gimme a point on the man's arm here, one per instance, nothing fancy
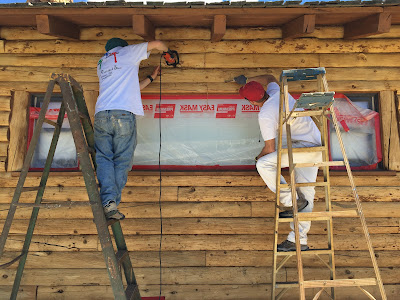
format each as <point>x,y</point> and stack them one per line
<point>269,147</point>
<point>145,82</point>
<point>158,45</point>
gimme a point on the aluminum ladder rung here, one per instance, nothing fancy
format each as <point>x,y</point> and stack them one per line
<point>319,183</point>
<point>305,149</point>
<point>308,252</point>
<point>121,255</point>
<point>52,123</point>
<point>322,215</point>
<point>30,189</point>
<point>132,292</point>
<point>339,282</point>
<point>320,164</point>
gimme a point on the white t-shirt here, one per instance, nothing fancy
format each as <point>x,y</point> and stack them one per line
<point>303,128</point>
<point>118,78</point>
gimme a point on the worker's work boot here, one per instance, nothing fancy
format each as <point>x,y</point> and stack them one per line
<point>301,204</point>
<point>286,246</point>
<point>111,212</point>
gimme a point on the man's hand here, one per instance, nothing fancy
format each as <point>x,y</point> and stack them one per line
<point>156,72</point>
<point>241,79</point>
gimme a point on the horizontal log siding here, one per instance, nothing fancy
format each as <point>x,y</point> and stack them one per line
<point>217,241</point>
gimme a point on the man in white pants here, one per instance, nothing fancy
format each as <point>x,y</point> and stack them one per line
<point>304,134</point>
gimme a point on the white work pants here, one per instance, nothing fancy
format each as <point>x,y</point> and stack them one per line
<point>267,167</point>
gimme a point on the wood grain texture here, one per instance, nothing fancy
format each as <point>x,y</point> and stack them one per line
<point>18,130</point>
<point>390,130</point>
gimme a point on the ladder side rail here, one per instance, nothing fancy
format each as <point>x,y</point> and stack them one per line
<point>126,264</point>
<point>94,196</point>
<point>38,200</point>
<point>359,208</point>
<point>293,190</point>
<point>25,167</point>
<point>328,201</point>
<point>323,86</point>
<point>295,213</point>
<point>86,123</point>
<point>278,190</point>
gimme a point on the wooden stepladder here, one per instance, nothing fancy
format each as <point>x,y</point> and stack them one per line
<point>73,104</point>
<point>317,105</point>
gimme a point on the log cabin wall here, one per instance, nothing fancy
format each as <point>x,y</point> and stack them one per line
<point>217,226</point>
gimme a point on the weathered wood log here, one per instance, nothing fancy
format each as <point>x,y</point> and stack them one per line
<point>275,46</point>
<point>390,130</point>
<point>5,102</point>
<point>4,134</point>
<point>18,130</point>
<point>182,179</point>
<point>4,118</point>
<point>223,226</point>
<point>95,260</point>
<point>3,148</point>
<point>183,276</point>
<point>201,292</point>
<point>88,75</point>
<point>27,292</point>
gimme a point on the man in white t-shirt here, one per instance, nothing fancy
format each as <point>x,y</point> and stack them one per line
<point>304,134</point>
<point>118,103</point>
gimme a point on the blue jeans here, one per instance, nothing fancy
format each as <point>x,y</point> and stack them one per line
<point>115,143</point>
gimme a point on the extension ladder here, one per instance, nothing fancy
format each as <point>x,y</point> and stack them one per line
<point>318,106</point>
<point>73,103</point>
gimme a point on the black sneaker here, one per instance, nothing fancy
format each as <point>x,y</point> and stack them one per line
<point>286,246</point>
<point>301,204</point>
<point>111,212</point>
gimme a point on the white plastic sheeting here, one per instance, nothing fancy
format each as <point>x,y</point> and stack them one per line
<point>198,132</point>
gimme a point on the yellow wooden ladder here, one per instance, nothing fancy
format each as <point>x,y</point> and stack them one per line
<point>318,106</point>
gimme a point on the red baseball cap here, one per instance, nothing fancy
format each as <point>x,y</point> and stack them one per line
<point>252,91</point>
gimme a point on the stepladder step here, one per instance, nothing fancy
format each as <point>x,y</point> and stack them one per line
<point>308,252</point>
<point>322,215</point>
<point>319,164</point>
<point>329,283</point>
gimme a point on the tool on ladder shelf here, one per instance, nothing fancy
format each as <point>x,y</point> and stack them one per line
<point>317,105</point>
<point>73,104</point>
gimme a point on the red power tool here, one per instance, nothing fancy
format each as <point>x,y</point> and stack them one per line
<point>171,58</point>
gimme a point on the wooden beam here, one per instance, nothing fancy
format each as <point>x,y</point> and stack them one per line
<point>55,26</point>
<point>143,27</point>
<point>218,28</point>
<point>18,130</point>
<point>371,25</point>
<point>302,25</point>
<point>390,130</point>
<point>2,46</point>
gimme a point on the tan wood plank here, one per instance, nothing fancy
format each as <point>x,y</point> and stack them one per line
<point>264,259</point>
<point>171,75</point>
<point>186,180</point>
<point>5,103</point>
<point>18,130</point>
<point>4,118</point>
<point>79,193</point>
<point>2,46</point>
<point>3,160</point>
<point>3,148</point>
<point>179,276</point>
<point>55,26</point>
<point>387,242</point>
<point>24,292</point>
<point>54,243</point>
<point>147,210</point>
<point>199,292</point>
<point>268,46</point>
<point>223,226</point>
<point>390,130</point>
<point>95,260</point>
<point>4,137</point>
<point>5,93</point>
<point>367,26</point>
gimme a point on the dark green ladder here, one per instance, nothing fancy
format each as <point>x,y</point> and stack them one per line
<point>73,103</point>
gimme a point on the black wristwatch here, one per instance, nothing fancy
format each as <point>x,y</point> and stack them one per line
<point>151,78</point>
